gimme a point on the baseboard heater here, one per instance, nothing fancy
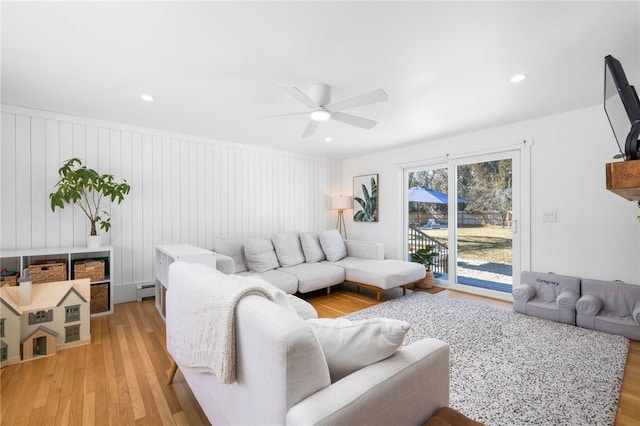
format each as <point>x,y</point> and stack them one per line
<point>145,291</point>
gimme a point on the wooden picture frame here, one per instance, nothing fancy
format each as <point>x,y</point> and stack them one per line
<point>365,198</point>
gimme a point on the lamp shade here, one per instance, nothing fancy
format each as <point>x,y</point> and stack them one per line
<point>342,202</point>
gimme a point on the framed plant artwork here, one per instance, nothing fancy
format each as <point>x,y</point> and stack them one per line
<point>365,198</point>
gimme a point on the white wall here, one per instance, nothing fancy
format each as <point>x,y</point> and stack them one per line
<point>184,189</point>
<point>596,234</point>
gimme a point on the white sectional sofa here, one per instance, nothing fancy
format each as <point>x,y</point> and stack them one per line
<point>304,262</point>
<point>283,376</point>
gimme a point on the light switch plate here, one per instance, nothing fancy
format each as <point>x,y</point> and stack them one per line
<point>549,216</point>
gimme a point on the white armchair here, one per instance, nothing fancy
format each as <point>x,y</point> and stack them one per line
<point>547,296</point>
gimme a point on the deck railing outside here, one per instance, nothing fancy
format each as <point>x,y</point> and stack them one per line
<point>419,240</point>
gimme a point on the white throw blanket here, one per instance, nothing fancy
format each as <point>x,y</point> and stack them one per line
<point>203,302</point>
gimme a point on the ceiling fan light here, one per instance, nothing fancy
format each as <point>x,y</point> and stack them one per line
<point>320,115</point>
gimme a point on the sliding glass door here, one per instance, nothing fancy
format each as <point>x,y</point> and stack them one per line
<point>484,231</point>
<point>466,210</point>
<point>428,209</point>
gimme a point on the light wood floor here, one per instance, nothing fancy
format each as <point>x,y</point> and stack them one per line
<point>120,378</point>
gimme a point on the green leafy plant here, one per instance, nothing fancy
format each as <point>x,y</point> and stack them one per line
<point>86,188</point>
<point>424,256</point>
<point>369,205</point>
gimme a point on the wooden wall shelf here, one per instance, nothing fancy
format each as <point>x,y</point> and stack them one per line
<point>623,178</point>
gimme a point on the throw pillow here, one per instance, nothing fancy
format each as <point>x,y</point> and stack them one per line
<point>350,345</point>
<point>333,245</point>
<point>311,247</point>
<point>260,255</point>
<point>288,249</point>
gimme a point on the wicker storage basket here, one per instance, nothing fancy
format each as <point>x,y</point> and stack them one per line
<point>9,278</point>
<point>99,298</point>
<point>47,271</point>
<point>89,268</point>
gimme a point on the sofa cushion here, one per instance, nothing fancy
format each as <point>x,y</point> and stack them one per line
<point>234,248</point>
<point>311,247</point>
<point>288,249</point>
<point>333,245</point>
<point>385,274</point>
<point>260,255</point>
<point>350,345</point>
<point>285,282</point>
<point>314,276</point>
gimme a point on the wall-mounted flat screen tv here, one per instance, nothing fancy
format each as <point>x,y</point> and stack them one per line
<point>622,107</point>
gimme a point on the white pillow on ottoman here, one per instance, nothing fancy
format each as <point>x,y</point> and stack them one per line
<point>333,245</point>
<point>350,345</point>
<point>288,249</point>
<point>311,247</point>
<point>260,255</point>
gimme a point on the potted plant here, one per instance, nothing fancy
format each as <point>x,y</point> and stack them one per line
<point>87,188</point>
<point>425,256</point>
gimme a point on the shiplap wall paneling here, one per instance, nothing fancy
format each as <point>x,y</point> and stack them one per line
<point>208,188</point>
<point>158,198</point>
<point>148,215</point>
<point>137,194</point>
<point>126,229</point>
<point>66,215</point>
<point>166,179</point>
<point>182,191</point>
<point>23,182</point>
<point>8,176</point>
<point>115,168</point>
<point>193,184</point>
<point>80,223</point>
<point>52,164</point>
<point>38,181</point>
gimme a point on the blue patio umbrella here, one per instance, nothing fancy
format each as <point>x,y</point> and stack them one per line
<point>422,194</point>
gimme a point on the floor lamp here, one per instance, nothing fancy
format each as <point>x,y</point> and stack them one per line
<point>341,204</point>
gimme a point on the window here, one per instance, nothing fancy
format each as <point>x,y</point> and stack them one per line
<point>2,327</point>
<point>3,353</point>
<point>40,316</point>
<point>466,210</point>
<point>72,313</point>
<point>72,333</point>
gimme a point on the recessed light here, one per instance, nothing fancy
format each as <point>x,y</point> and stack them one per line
<point>328,139</point>
<point>146,97</point>
<point>517,78</point>
<point>320,115</point>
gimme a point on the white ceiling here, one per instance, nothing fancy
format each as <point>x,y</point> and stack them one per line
<point>213,67</point>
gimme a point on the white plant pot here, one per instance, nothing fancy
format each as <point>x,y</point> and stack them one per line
<point>94,241</point>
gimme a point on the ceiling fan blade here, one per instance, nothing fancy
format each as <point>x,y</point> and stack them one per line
<point>311,128</point>
<point>296,93</point>
<point>354,120</point>
<point>378,95</point>
<point>282,115</point>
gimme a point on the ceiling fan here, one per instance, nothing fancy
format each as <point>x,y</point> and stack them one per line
<point>319,101</point>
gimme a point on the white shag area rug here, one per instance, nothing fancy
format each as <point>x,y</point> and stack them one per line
<point>512,369</point>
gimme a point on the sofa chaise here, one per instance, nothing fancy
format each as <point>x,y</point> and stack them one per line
<point>307,262</point>
<point>283,376</point>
